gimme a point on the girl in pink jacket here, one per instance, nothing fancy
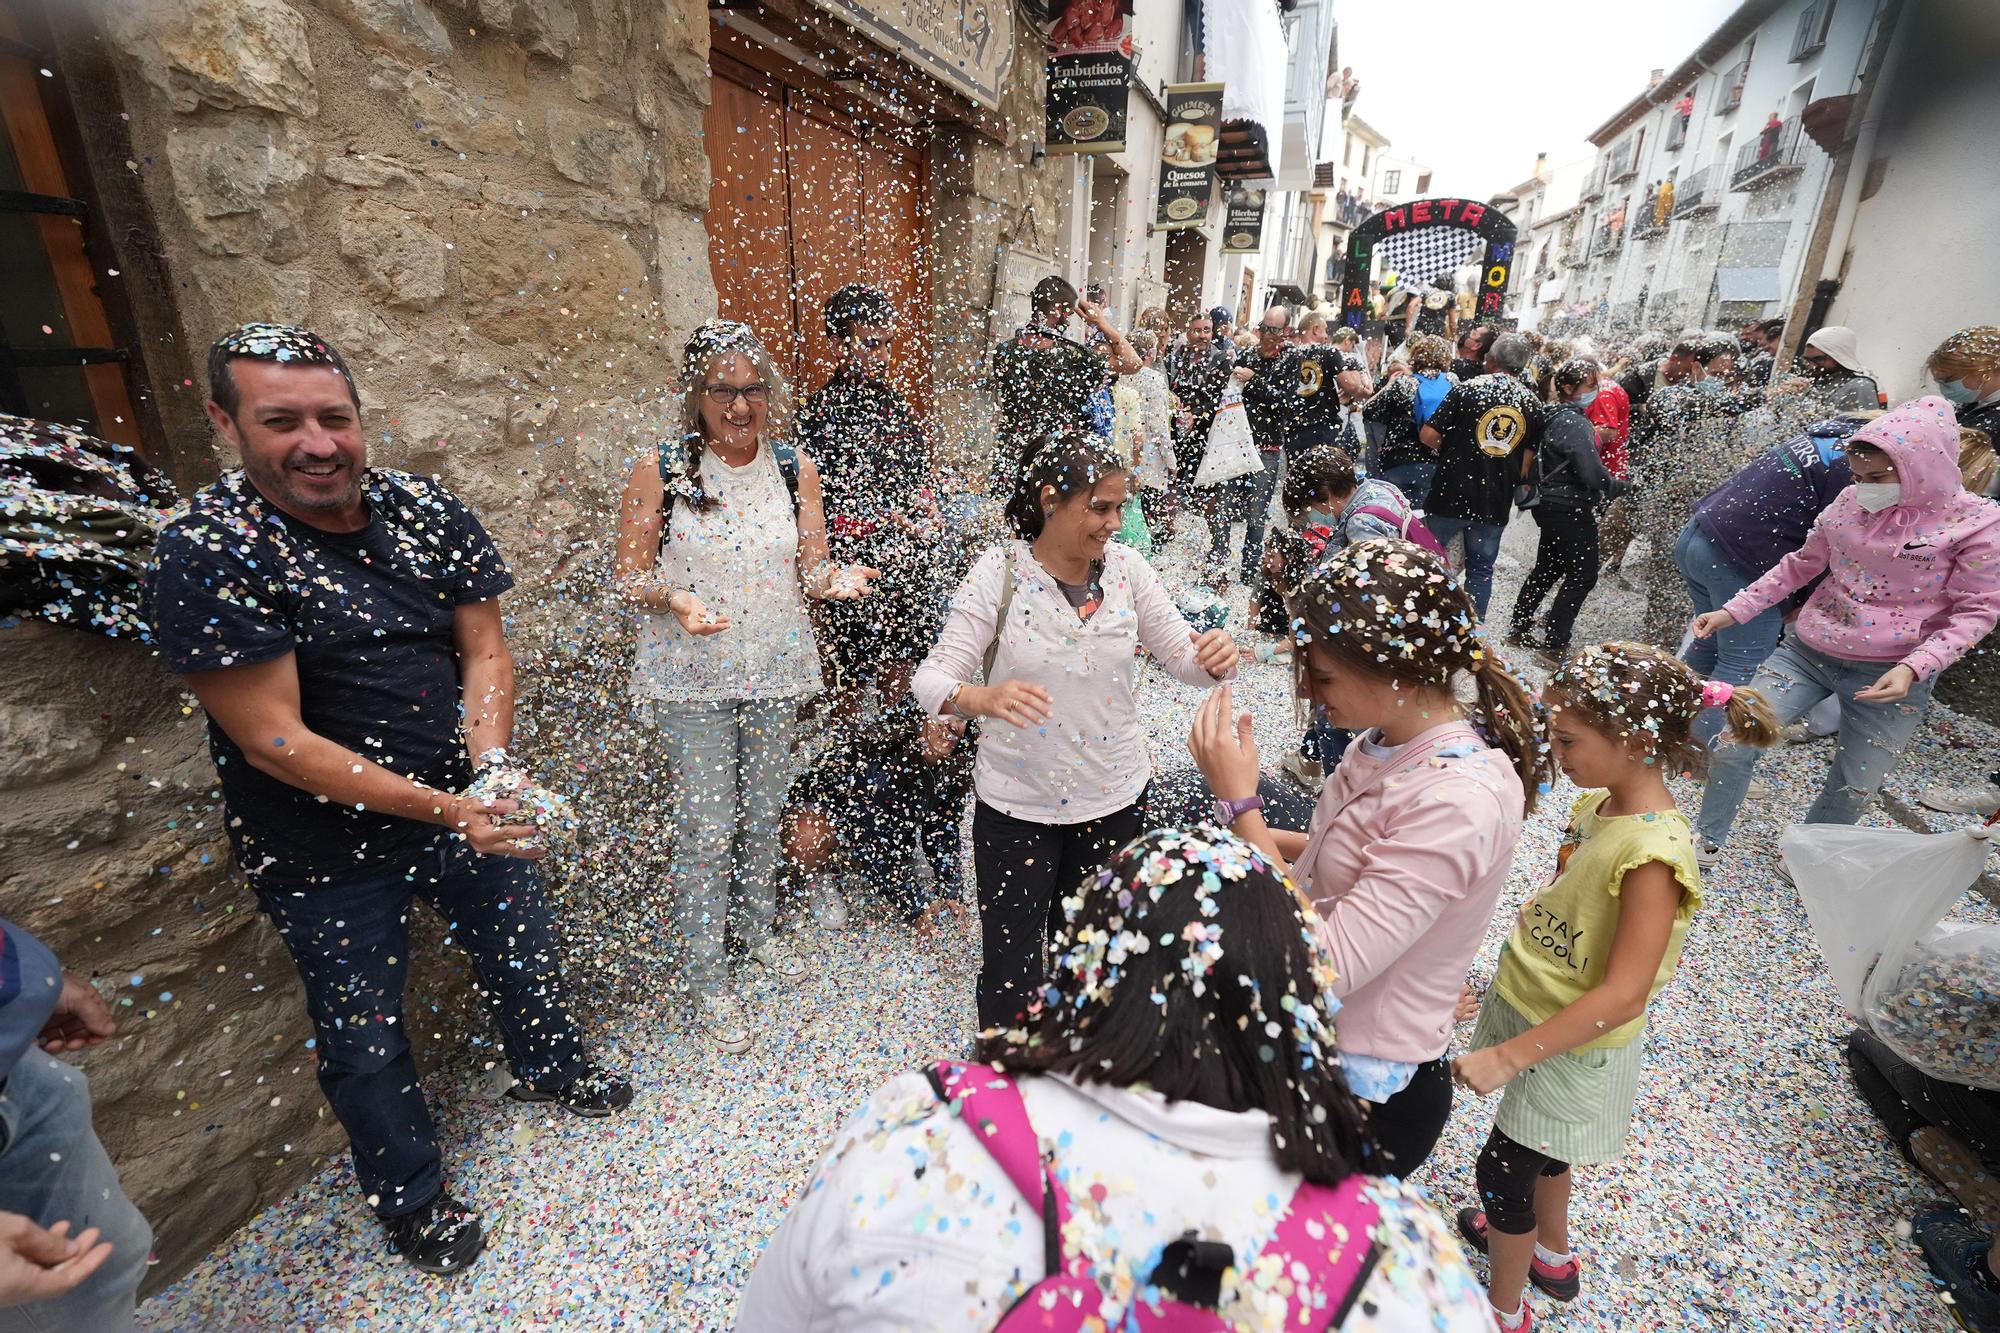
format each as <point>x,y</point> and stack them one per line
<point>1414,831</point>
<point>1912,565</point>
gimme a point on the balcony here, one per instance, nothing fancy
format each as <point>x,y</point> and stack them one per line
<point>1608,242</point>
<point>1694,195</point>
<point>1778,151</point>
<point>1623,166</point>
<point>1677,131</point>
<point>1593,185</point>
<point>1731,88</point>
<point>1573,255</point>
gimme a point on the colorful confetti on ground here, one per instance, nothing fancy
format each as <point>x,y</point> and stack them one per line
<point>1757,1192</point>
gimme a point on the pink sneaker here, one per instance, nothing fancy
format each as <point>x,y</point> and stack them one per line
<point>1562,1283</point>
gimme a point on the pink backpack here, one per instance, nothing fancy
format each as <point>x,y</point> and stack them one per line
<point>1325,1238</point>
<point>1413,529</point>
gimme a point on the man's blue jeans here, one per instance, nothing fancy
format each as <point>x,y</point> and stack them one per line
<point>1482,552</point>
<point>53,1169</point>
<point>1413,480</point>
<point>1734,654</point>
<point>351,941</point>
<point>1872,736</point>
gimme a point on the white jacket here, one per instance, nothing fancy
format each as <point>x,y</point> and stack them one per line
<point>909,1226</point>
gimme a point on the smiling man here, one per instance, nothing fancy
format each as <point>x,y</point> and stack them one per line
<point>341,626</point>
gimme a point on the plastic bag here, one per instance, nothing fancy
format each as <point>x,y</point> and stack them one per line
<point>1876,898</point>
<point>1232,452</point>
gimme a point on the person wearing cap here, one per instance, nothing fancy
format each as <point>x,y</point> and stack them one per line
<point>1834,380</point>
<point>721,539</point>
<point>874,467</point>
<point>1911,565</point>
<point>340,625</point>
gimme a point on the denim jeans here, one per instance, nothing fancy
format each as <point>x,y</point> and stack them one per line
<point>351,941</point>
<point>1872,736</point>
<point>1482,551</point>
<point>1413,480</point>
<point>1734,654</point>
<point>732,763</point>
<point>53,1169</point>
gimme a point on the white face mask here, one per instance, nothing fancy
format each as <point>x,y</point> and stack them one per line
<point>1875,496</point>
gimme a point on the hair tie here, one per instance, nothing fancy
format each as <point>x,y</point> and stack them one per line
<point>1716,693</point>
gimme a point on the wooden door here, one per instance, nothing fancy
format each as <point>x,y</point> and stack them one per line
<point>805,197</point>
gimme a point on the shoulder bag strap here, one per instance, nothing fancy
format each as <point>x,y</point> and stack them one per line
<point>1000,620</point>
<point>991,1107</point>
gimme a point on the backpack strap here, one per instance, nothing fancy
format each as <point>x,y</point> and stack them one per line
<point>1388,515</point>
<point>1330,1233</point>
<point>990,1105</point>
<point>787,455</point>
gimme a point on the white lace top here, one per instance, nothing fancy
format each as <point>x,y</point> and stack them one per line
<point>742,559</point>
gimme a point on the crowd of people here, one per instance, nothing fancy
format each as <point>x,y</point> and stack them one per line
<point>1180,1020</point>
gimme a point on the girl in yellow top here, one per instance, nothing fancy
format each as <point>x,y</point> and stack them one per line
<point>1560,1027</point>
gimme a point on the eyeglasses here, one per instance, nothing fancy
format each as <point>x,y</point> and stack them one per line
<point>726,394</point>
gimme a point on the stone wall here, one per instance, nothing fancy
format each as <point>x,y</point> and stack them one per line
<point>494,207</point>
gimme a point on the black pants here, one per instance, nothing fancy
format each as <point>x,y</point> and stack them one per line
<point>1906,1099</point>
<point>1567,554</point>
<point>1024,869</point>
<point>1506,1173</point>
<point>1408,1125</point>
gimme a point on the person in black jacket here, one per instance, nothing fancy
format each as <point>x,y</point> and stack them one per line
<point>1571,483</point>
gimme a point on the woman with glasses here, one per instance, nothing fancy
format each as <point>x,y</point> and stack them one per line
<point>722,537</point>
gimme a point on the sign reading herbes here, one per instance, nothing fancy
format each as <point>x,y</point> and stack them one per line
<point>1187,154</point>
<point>1086,105</point>
<point>1243,222</point>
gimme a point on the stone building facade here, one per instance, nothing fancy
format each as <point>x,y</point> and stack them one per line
<point>499,210</point>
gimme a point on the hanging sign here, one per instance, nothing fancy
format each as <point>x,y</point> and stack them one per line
<point>1086,106</point>
<point>1243,222</point>
<point>1187,155</point>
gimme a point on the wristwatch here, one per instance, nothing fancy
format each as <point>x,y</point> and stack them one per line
<point>951,700</point>
<point>1228,812</point>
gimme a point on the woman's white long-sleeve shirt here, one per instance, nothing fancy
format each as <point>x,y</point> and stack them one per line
<point>1090,758</point>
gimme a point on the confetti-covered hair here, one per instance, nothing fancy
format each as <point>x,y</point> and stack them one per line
<point>857,303</point>
<point>712,341</point>
<point>1072,462</point>
<point>1429,352</point>
<point>1973,351</point>
<point>1571,374</point>
<point>1391,609</point>
<point>1647,698</point>
<point>278,344</point>
<point>1190,965</point>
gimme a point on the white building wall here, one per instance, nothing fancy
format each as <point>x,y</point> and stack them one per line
<point>1921,263</point>
<point>1767,228</point>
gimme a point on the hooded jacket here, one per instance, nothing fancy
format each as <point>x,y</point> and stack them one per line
<point>1766,511</point>
<point>1917,583</point>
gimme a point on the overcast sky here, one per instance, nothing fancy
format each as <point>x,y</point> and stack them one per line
<point>1474,90</point>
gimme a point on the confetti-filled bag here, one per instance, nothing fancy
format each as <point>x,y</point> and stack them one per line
<point>1232,451</point>
<point>1877,898</point>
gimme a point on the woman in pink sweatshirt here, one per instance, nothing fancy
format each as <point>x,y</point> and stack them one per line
<point>1414,831</point>
<point>1912,565</point>
<point>1053,624</point>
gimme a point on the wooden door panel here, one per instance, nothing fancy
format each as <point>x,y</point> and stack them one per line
<point>895,257</point>
<point>828,208</point>
<point>749,222</point>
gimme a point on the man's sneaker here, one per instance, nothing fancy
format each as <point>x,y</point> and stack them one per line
<point>1706,853</point>
<point>1562,1283</point>
<point>1981,798</point>
<point>1955,1248</point>
<point>829,908</point>
<point>780,961</point>
<point>443,1236</point>
<point>720,1015</point>
<point>593,1094</point>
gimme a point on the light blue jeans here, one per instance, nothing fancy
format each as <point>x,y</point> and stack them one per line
<point>732,767</point>
<point>1734,654</point>
<point>53,1169</point>
<point>1872,736</point>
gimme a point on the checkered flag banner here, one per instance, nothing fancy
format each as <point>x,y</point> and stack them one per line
<point>1415,257</point>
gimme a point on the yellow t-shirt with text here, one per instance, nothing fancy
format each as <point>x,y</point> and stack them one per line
<point>1562,946</point>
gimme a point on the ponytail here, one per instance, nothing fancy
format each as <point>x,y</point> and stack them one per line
<point>1752,721</point>
<point>1511,725</point>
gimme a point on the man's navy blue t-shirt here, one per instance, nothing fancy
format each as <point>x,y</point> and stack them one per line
<point>368,615</point>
